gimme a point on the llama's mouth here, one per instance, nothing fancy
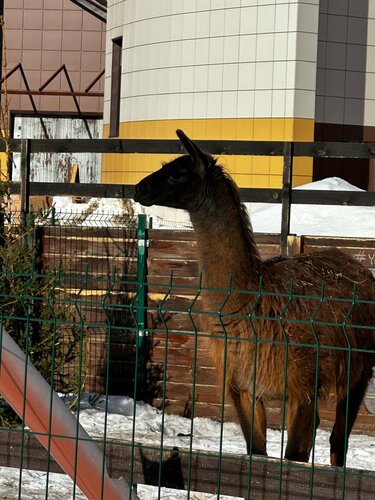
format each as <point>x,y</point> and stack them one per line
<point>144,199</point>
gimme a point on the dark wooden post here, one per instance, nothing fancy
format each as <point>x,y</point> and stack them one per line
<point>286,197</point>
<point>25,181</point>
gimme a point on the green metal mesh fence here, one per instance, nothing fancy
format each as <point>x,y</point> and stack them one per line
<point>153,338</point>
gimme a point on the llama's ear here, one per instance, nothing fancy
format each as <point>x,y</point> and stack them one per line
<point>200,159</point>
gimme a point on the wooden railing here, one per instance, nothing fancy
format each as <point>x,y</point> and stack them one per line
<point>288,150</point>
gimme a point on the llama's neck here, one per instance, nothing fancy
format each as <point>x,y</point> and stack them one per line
<point>226,248</point>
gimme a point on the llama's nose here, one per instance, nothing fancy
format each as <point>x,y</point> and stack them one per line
<point>139,189</point>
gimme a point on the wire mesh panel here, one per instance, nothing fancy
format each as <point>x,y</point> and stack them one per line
<point>149,446</point>
<point>52,330</point>
<point>141,358</point>
<point>103,250</point>
<point>181,325</point>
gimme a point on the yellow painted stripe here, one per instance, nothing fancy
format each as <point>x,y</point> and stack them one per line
<point>253,129</point>
<point>247,171</point>
<point>3,166</point>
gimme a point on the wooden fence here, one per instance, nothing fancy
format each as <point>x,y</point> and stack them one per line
<point>100,249</point>
<point>288,150</point>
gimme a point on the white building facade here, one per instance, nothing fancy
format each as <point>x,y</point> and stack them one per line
<point>237,69</point>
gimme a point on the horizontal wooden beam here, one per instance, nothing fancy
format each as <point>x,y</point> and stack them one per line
<point>209,472</point>
<point>76,189</point>
<point>216,147</point>
<point>322,197</point>
<point>255,195</point>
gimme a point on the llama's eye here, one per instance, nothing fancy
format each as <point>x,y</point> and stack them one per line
<point>177,175</point>
<point>173,179</point>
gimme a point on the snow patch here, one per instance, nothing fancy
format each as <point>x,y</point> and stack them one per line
<point>201,433</point>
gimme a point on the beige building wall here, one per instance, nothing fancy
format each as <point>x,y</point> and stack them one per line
<point>219,70</point>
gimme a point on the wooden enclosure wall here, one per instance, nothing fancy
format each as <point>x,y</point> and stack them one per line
<point>170,352</point>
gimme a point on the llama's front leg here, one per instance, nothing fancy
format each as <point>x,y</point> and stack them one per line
<point>301,430</point>
<point>255,440</point>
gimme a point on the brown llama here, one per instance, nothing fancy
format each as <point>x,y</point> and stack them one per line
<point>329,296</point>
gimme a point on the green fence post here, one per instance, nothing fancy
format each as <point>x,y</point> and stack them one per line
<point>141,305</point>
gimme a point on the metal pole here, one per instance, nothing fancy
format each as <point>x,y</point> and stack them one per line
<point>141,304</point>
<point>286,197</point>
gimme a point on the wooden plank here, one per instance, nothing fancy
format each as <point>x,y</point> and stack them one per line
<point>184,373</point>
<point>167,146</point>
<point>260,195</point>
<point>286,197</point>
<point>90,247</point>
<point>253,195</point>
<point>362,250</point>
<point>178,267</point>
<point>184,284</point>
<point>171,235</point>
<point>268,251</point>
<point>91,264</point>
<point>216,147</point>
<point>209,472</point>
<point>188,235</point>
<point>74,175</point>
<point>169,249</point>
<point>126,233</point>
<point>335,149</point>
<point>126,191</point>
<point>322,197</point>
<point>181,245</point>
<point>331,241</point>
<point>96,281</point>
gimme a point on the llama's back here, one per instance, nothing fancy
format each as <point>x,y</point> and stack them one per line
<point>329,283</point>
<point>329,302</point>
<point>331,266</point>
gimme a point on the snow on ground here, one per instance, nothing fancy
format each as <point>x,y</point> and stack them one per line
<point>176,431</point>
<point>96,212</point>
<point>308,220</point>
<point>321,220</point>
<point>206,433</point>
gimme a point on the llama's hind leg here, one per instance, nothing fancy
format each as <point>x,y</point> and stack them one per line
<point>337,439</point>
<point>301,430</point>
<point>254,432</point>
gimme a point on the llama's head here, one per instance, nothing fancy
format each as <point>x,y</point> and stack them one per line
<point>179,183</point>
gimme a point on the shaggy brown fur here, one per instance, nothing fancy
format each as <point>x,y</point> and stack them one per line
<point>303,322</point>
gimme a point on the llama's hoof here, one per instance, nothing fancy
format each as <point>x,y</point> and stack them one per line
<point>336,461</point>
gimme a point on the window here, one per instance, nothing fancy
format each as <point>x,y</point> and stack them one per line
<point>114,118</point>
